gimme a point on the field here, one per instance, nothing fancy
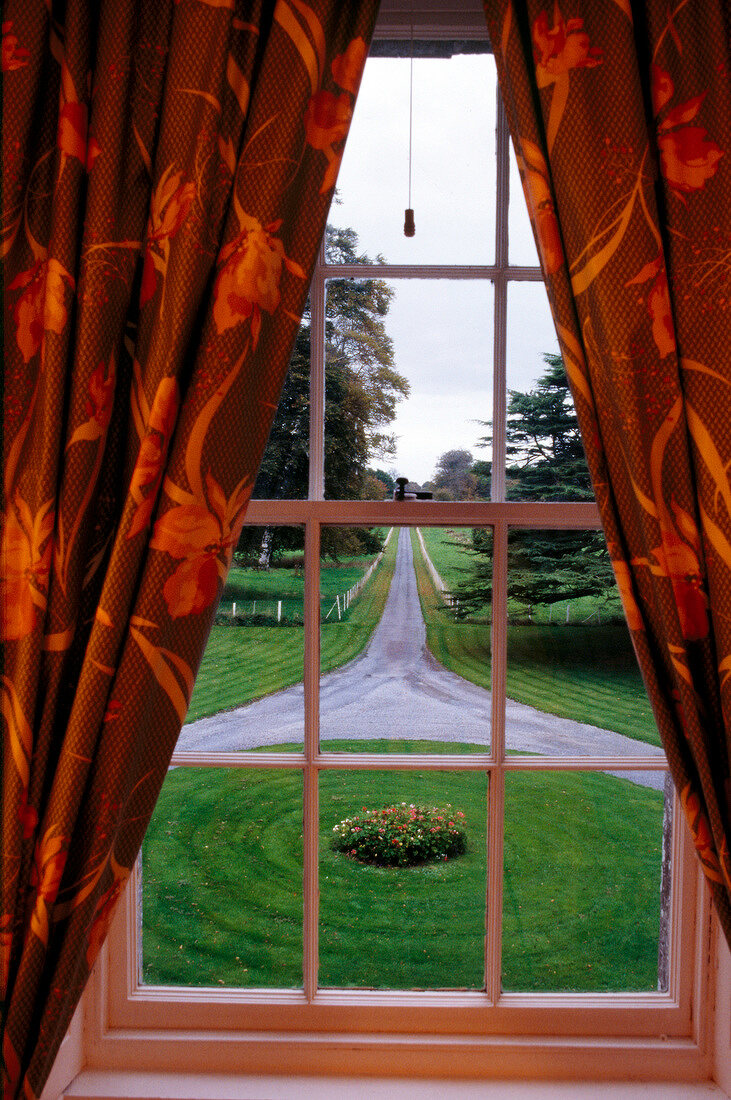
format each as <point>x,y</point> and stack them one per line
<point>222,874</point>
<point>587,672</point>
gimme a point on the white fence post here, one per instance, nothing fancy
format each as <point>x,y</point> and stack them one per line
<point>233,610</point>
<point>279,611</point>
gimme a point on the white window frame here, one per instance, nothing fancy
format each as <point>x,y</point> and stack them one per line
<point>460,1033</point>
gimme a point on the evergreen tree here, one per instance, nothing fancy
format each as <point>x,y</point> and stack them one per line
<point>546,462</point>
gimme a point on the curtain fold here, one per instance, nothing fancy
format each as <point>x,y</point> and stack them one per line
<point>167,172</point>
<point>620,114</point>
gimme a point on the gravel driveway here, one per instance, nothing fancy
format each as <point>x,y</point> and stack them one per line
<point>396,688</point>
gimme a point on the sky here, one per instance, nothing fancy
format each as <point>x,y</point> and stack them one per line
<point>442,330</point>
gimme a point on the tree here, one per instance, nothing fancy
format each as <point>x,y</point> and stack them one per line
<point>362,389</point>
<point>453,479</point>
<point>546,462</point>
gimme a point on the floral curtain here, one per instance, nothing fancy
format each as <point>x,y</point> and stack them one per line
<point>620,114</point>
<point>167,170</point>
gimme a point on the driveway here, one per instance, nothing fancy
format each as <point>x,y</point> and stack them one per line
<point>395,688</point>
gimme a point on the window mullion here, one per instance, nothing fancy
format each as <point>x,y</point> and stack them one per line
<point>497,478</point>
<point>496,789</point>
<point>310,809</point>
<point>317,383</point>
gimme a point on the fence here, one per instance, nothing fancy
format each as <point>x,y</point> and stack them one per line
<point>439,584</point>
<point>343,602</point>
<point>290,609</point>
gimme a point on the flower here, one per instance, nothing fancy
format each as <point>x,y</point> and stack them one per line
<point>48,867</point>
<point>348,67</point>
<point>26,563</point>
<point>41,307</point>
<point>147,473</point>
<point>562,47</point>
<point>202,535</point>
<point>535,180</point>
<point>169,206</point>
<point>13,55</point>
<point>658,304</point>
<point>688,157</point>
<point>249,279</point>
<point>327,119</point>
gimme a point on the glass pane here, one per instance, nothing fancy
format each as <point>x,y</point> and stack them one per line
<point>222,880</point>
<point>412,926</point>
<point>397,351</point>
<point>453,161</point>
<point>521,242</point>
<point>248,691</point>
<point>418,675</point>
<point>587,881</point>
<point>573,682</point>
<point>545,455</point>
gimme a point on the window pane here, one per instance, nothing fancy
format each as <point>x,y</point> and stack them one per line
<point>418,676</point>
<point>453,161</point>
<point>222,880</point>
<point>586,888</point>
<point>247,693</point>
<point>416,926</point>
<point>545,455</point>
<point>408,380</point>
<point>573,683</point>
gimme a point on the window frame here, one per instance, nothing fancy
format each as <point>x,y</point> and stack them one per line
<point>463,1033</point>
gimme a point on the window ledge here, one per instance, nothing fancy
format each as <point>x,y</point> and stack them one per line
<point>98,1085</point>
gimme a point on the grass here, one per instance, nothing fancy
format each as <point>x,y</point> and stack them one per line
<point>242,663</point>
<point>222,874</point>
<point>585,672</point>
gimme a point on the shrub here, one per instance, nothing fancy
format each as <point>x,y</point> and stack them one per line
<point>402,835</point>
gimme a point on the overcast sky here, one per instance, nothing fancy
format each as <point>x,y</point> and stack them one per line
<point>443,330</point>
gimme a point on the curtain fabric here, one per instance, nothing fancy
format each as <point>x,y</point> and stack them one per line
<point>167,170</point>
<point>620,114</point>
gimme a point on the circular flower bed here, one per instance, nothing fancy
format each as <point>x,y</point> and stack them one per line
<point>402,835</point>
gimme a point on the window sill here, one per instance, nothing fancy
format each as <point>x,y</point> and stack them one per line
<point>95,1085</point>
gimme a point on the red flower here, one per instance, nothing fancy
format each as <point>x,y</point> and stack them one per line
<point>327,119</point>
<point>534,177</point>
<point>41,307</point>
<point>348,67</point>
<point>169,208</point>
<point>658,304</point>
<point>25,564</point>
<point>28,817</point>
<point>148,470</point>
<point>562,47</point>
<point>13,55</point>
<point>251,272</point>
<point>688,157</point>
<point>203,534</point>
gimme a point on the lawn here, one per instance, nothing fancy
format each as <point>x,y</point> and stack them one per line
<point>222,883</point>
<point>580,671</point>
<point>246,662</point>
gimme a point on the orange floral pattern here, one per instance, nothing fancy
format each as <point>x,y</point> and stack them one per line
<point>169,208</point>
<point>250,275</point>
<point>688,156</point>
<point>202,536</point>
<point>631,216</point>
<point>14,56</point>
<point>329,114</point>
<point>41,307</point>
<point>133,362</point>
<point>561,46</point>
<point>25,557</point>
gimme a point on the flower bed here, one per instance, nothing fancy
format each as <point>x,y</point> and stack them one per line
<point>402,835</point>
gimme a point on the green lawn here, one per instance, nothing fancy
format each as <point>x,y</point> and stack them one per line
<point>585,672</point>
<point>222,893</point>
<point>245,662</point>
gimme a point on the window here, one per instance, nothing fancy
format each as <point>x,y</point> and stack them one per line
<point>545,834</point>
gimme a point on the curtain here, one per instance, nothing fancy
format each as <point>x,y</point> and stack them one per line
<point>620,115</point>
<point>167,171</point>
